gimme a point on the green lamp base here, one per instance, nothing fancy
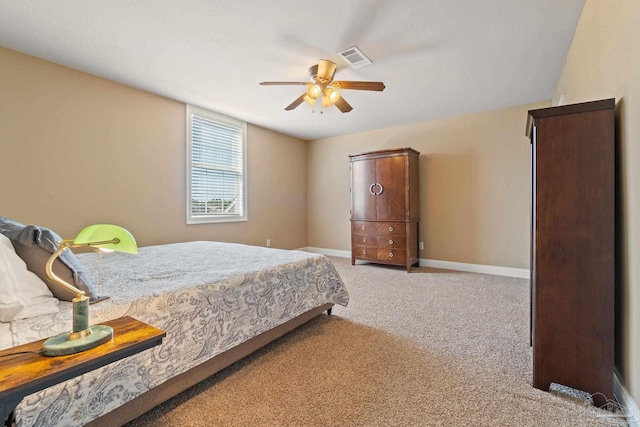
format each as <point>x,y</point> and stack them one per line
<point>60,345</point>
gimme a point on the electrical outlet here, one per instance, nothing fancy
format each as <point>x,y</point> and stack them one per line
<point>422,246</point>
<point>268,243</point>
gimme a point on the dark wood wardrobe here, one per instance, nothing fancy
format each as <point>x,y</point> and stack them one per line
<point>572,246</point>
<point>385,207</point>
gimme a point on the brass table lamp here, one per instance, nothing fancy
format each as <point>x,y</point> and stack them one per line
<point>84,337</point>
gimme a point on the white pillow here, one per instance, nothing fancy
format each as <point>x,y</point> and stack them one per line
<point>22,294</point>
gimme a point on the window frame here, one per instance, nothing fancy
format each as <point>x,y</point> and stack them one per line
<point>225,120</point>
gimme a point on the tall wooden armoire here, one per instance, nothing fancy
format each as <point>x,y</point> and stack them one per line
<point>572,246</point>
<point>385,207</point>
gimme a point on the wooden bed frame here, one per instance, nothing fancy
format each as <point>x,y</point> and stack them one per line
<point>174,386</point>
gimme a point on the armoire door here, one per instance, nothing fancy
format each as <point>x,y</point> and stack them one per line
<point>390,179</point>
<point>363,189</point>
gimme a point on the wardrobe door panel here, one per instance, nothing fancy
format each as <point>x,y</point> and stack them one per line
<point>363,189</point>
<point>390,174</point>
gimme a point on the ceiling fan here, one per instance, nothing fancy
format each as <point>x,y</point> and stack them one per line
<point>324,87</point>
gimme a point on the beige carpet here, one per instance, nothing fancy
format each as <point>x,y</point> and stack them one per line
<point>431,348</point>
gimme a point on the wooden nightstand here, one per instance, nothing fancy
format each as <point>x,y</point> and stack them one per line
<point>24,374</point>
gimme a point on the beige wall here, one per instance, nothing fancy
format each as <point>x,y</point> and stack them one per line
<point>474,186</point>
<point>604,62</point>
<point>76,149</point>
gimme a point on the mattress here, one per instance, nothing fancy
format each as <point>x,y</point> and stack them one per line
<point>5,335</point>
<point>207,296</point>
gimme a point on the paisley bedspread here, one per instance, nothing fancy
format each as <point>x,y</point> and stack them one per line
<point>207,296</point>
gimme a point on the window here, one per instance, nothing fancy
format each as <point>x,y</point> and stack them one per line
<point>216,167</point>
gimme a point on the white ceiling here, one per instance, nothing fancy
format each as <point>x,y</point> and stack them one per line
<point>437,58</point>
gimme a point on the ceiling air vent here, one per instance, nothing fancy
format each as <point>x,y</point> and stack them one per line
<point>354,57</point>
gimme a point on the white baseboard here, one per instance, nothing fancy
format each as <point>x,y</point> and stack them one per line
<point>631,412</point>
<point>447,265</point>
<point>476,268</point>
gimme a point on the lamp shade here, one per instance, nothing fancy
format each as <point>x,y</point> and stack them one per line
<point>330,97</point>
<point>107,236</point>
<point>314,91</point>
<point>310,100</point>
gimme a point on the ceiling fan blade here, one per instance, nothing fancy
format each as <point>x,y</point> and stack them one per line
<point>345,84</point>
<point>295,103</point>
<point>343,105</point>
<point>283,83</point>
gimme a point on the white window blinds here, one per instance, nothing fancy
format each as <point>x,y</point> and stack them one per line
<point>216,167</point>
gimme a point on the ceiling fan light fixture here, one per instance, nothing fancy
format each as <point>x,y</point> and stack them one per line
<point>313,92</point>
<point>330,97</point>
<point>309,100</point>
<point>334,94</point>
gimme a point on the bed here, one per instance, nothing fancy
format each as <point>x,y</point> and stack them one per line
<point>217,302</point>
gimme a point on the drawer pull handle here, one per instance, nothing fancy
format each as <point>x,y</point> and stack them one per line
<point>390,228</point>
<point>371,188</point>
<point>364,252</point>
<point>390,242</point>
<point>364,227</point>
<point>390,254</point>
<point>364,239</point>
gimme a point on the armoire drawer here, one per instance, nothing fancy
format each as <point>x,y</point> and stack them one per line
<point>397,242</point>
<point>365,239</point>
<point>364,252</point>
<point>392,228</point>
<point>364,227</point>
<point>392,255</point>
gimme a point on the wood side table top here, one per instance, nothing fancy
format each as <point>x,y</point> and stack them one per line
<point>23,374</point>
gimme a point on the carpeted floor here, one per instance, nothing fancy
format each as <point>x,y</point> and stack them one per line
<point>430,348</point>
